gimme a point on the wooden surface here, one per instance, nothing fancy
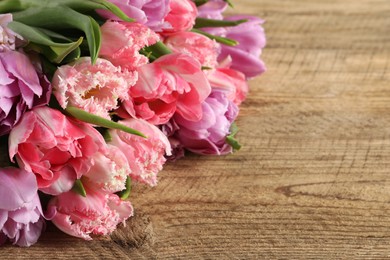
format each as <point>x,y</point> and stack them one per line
<point>313,178</point>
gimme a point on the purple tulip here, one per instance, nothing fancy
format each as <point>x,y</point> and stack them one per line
<point>20,209</point>
<point>251,38</point>
<point>7,36</point>
<point>169,129</point>
<point>208,136</point>
<point>213,9</point>
<point>21,88</point>
<point>148,12</point>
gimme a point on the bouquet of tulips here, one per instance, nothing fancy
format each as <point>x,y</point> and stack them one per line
<point>96,95</point>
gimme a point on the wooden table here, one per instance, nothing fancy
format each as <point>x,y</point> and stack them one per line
<point>313,177</point>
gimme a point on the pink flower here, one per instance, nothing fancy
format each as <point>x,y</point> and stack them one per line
<point>7,36</point>
<point>232,82</point>
<point>56,149</point>
<point>93,88</point>
<point>208,135</point>
<point>181,17</point>
<point>145,155</point>
<point>22,87</point>
<point>20,208</point>
<point>148,12</point>
<point>172,84</point>
<point>110,170</point>
<point>198,46</point>
<point>122,41</point>
<point>98,213</point>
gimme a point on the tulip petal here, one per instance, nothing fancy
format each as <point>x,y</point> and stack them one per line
<point>30,234</point>
<point>17,187</point>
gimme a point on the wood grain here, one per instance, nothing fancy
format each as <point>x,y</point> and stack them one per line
<point>312,180</point>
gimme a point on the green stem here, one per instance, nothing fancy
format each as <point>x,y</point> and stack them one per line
<point>203,22</point>
<point>159,49</point>
<point>226,41</point>
<point>126,192</point>
<point>100,121</point>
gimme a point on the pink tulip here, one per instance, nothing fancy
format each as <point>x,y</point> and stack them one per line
<point>55,148</point>
<point>145,155</point>
<point>200,47</point>
<point>92,88</point>
<point>96,214</point>
<point>122,42</point>
<point>232,82</point>
<point>181,16</point>
<point>172,84</point>
<point>20,208</point>
<point>110,170</point>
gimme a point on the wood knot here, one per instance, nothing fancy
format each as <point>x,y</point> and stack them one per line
<point>137,232</point>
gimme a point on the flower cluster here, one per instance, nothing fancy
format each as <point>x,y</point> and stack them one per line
<point>98,94</point>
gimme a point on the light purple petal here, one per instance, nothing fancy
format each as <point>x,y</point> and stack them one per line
<point>3,217</point>
<point>17,187</point>
<point>30,234</point>
<point>208,135</point>
<point>20,67</point>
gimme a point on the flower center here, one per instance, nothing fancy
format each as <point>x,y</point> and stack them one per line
<point>92,92</point>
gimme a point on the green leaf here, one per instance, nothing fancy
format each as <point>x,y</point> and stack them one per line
<point>100,121</point>
<point>114,9</point>
<point>229,3</point>
<point>73,56</point>
<point>156,50</point>
<point>42,43</point>
<point>49,69</point>
<point>33,34</point>
<point>107,136</point>
<point>95,35</point>
<point>223,40</point>
<point>148,54</point>
<point>55,36</point>
<point>62,17</point>
<point>78,187</point>
<point>200,2</point>
<point>203,22</point>
<point>83,6</point>
<point>8,6</point>
<point>126,192</point>
<point>230,139</point>
<point>54,54</point>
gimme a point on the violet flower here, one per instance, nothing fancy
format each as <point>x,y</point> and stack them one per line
<point>20,209</point>
<point>208,136</point>
<point>7,36</point>
<point>22,87</point>
<point>251,38</point>
<point>213,9</point>
<point>148,12</point>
